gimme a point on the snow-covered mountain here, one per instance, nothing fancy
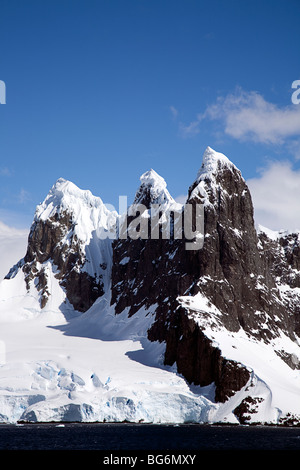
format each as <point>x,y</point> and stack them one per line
<point>67,241</point>
<point>96,327</point>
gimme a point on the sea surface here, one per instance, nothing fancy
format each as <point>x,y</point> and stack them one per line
<point>127,437</point>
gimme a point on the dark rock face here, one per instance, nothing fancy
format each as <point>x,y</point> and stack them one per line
<point>230,263</point>
<point>282,262</point>
<point>45,244</point>
<point>231,271</point>
<point>242,275</point>
<point>246,408</point>
<point>198,360</point>
<point>158,271</point>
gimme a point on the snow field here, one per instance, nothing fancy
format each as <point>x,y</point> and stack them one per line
<point>93,367</point>
<point>64,366</point>
<point>59,365</point>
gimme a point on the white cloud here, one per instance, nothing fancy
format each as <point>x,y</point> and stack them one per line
<point>247,116</point>
<point>13,243</point>
<point>276,196</point>
<point>190,130</point>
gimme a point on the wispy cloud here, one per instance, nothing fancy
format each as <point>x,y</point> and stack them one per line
<point>247,116</point>
<point>191,129</point>
<point>174,112</point>
<point>24,196</point>
<point>185,130</point>
<point>4,171</point>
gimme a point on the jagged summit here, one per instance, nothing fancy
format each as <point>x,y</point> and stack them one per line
<point>151,178</point>
<point>224,316</point>
<point>153,190</point>
<point>68,242</point>
<point>87,212</point>
<point>277,234</point>
<point>216,172</point>
<point>212,162</point>
<point>65,195</point>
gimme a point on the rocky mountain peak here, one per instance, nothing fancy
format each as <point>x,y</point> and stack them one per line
<point>86,212</point>
<point>213,162</point>
<point>153,190</point>
<point>241,284</point>
<point>216,178</point>
<point>66,241</point>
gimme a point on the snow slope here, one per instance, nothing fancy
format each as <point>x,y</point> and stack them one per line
<point>100,367</point>
<point>94,367</point>
<point>57,364</point>
<point>275,234</point>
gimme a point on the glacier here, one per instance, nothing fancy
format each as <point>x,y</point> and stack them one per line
<point>60,364</point>
<point>97,368</point>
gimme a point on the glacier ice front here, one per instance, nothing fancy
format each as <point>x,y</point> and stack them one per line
<point>97,330</point>
<point>52,376</point>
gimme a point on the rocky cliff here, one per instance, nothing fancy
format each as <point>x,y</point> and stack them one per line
<point>231,274</point>
<point>242,281</point>
<point>64,238</point>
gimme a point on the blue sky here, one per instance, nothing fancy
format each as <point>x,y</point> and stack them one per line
<point>100,91</point>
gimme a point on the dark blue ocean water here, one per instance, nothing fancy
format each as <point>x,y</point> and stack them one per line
<point>120,437</point>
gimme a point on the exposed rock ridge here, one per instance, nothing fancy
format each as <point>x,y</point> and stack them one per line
<point>230,272</point>
<point>239,280</point>
<point>65,227</point>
